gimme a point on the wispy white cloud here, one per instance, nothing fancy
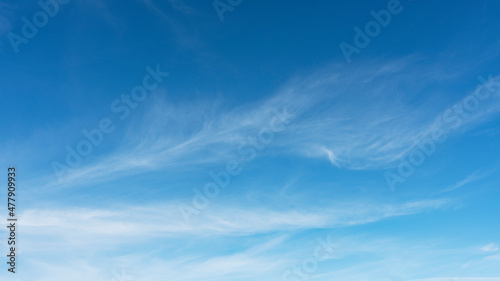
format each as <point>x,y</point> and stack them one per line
<point>165,220</point>
<point>356,118</point>
<point>459,279</point>
<point>490,248</point>
<point>250,262</point>
<point>380,259</point>
<point>172,248</point>
<point>181,6</point>
<point>476,176</point>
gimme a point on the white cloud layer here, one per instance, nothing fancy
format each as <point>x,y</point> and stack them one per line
<point>356,118</point>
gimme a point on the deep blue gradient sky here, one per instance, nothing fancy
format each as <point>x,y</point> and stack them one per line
<point>321,148</point>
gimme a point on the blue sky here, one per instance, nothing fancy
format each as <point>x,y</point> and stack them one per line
<point>187,140</point>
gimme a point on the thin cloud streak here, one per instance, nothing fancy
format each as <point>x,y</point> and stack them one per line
<point>125,224</point>
<point>352,117</point>
<point>470,178</point>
